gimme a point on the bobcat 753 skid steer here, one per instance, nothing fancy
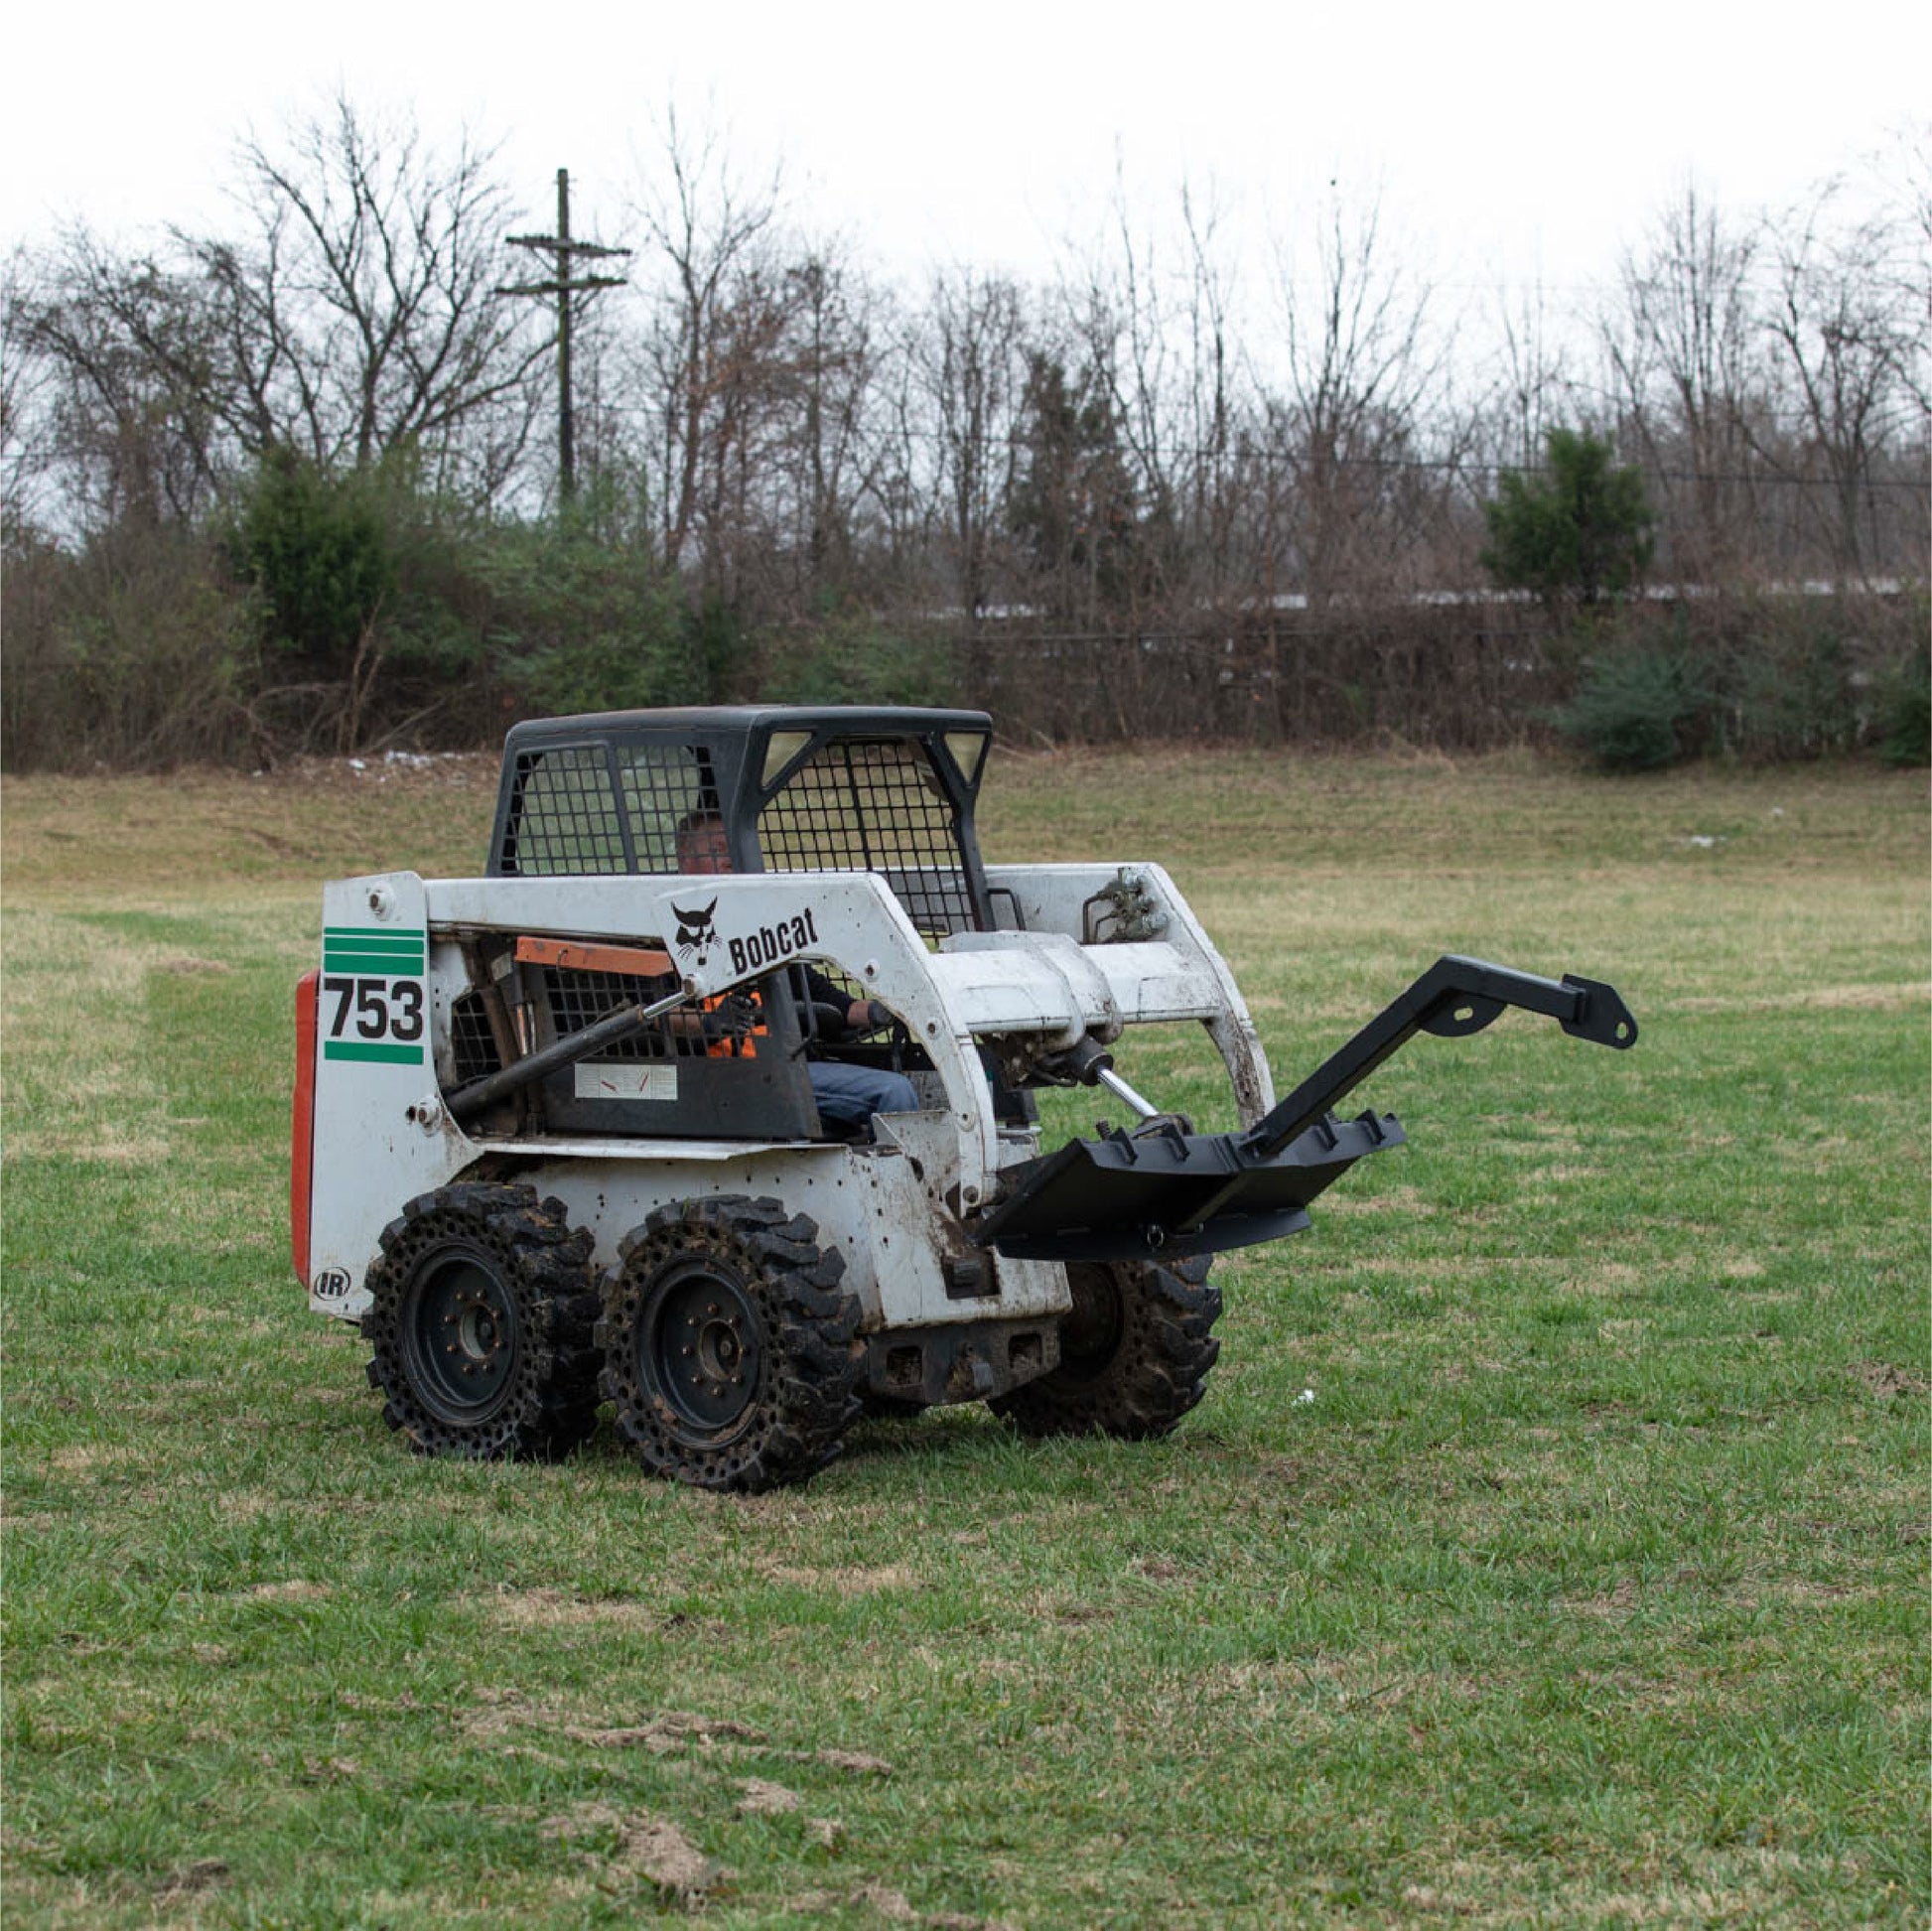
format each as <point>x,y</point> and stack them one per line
<point>558,1139</point>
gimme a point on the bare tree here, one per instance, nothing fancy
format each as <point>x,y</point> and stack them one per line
<point>126,356</point>
<point>1361,360</point>
<point>716,315</point>
<point>1532,379</point>
<point>1906,183</point>
<point>969,357</point>
<point>1846,347</point>
<point>1121,314</point>
<point>1684,359</point>
<point>28,447</point>
<point>356,316</point>
<point>832,365</point>
<point>361,315</point>
<point>1211,406</point>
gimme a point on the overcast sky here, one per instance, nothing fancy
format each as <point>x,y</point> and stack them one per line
<point>1508,141</point>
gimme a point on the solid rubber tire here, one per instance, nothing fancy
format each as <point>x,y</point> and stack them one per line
<point>784,1319</point>
<point>1135,1352</point>
<point>541,1271</point>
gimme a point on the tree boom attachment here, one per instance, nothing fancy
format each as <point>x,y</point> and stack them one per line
<point>1166,1193</point>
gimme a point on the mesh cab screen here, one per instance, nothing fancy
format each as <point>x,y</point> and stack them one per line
<point>580,998</point>
<point>567,815</point>
<point>471,1044</point>
<point>575,804</point>
<point>858,806</point>
<point>661,784</point>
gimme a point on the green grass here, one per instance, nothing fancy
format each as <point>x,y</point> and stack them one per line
<point>1590,1587</point>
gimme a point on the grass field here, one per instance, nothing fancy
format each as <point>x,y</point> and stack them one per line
<point>1551,1547</point>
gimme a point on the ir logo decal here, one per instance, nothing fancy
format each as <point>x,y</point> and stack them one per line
<point>332,1284</point>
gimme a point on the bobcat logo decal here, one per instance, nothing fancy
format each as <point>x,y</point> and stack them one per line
<point>696,933</point>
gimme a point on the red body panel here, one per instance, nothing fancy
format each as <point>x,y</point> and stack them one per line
<point>302,1125</point>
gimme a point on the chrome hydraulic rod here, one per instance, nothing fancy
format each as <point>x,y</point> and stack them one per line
<point>1119,1087</point>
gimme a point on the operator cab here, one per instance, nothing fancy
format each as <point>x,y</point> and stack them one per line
<point>841,788</point>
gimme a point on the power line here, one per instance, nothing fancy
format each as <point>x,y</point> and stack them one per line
<point>563,286</point>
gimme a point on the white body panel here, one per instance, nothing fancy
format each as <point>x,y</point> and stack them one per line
<point>869,1204</point>
<point>381,1136</point>
<point>1054,898</point>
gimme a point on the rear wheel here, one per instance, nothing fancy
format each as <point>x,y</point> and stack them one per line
<point>1135,1352</point>
<point>730,1352</point>
<point>482,1321</point>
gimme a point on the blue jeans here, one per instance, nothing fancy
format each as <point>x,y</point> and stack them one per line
<point>850,1095</point>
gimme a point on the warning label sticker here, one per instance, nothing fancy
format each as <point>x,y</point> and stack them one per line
<point>626,1082</point>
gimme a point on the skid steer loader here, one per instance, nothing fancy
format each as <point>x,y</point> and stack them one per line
<point>562,1135</point>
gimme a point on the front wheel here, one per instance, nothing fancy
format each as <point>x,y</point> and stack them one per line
<point>730,1353</point>
<point>481,1312</point>
<point>1135,1351</point>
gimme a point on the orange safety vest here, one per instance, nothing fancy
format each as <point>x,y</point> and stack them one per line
<point>727,1048</point>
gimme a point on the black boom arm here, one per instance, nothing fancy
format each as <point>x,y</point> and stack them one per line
<point>1453,999</point>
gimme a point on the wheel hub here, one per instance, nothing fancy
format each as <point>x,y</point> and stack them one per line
<point>700,1351</point>
<point>1092,1328</point>
<point>460,1337</point>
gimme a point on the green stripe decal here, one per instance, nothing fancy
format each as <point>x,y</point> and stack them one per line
<point>390,1056</point>
<point>361,948</point>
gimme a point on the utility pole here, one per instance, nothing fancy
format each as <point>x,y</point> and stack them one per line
<point>563,287</point>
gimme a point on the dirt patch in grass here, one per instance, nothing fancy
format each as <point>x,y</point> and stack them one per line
<point>641,1845</point>
<point>663,1734</point>
<point>896,1908</point>
<point>544,1608</point>
<point>844,1582</point>
<point>763,1798</point>
<point>80,1458</point>
<point>1067,1612</point>
<point>667,1733</point>
<point>191,1880</point>
<point>1618,1600</point>
<point>1891,1383</point>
